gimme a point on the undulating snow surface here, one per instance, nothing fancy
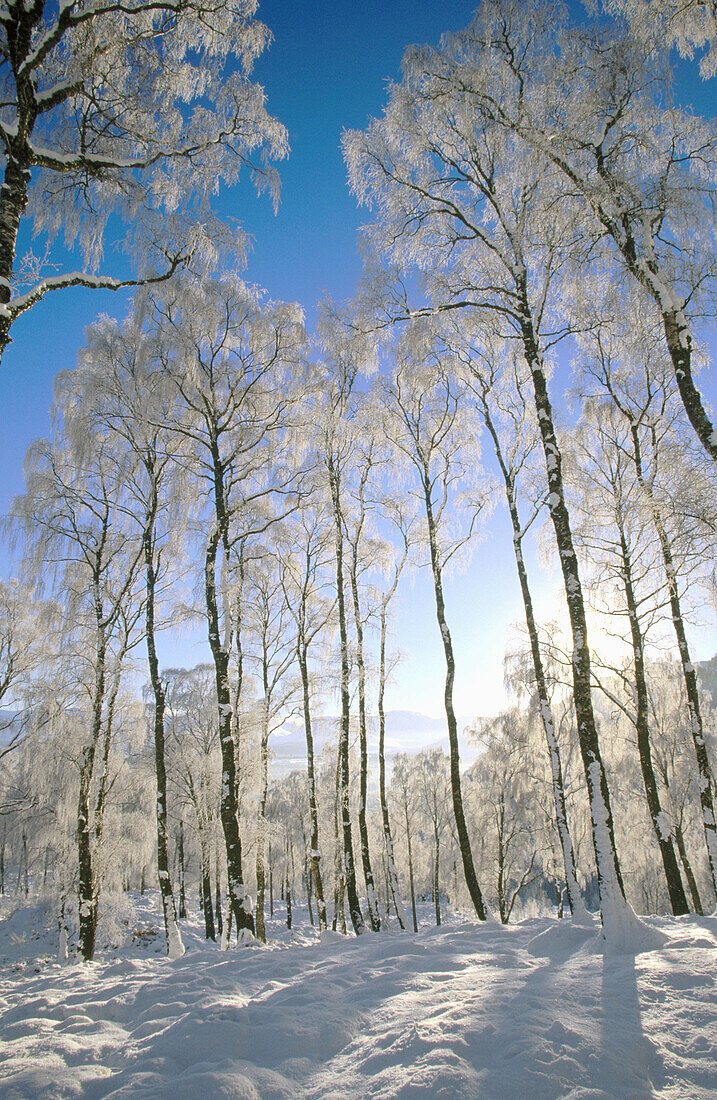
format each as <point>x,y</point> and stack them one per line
<point>532,1010</point>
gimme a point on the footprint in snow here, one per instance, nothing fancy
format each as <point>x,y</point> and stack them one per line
<point>561,1036</point>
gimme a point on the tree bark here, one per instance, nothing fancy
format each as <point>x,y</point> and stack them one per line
<point>206,892</point>
<point>86,888</point>
<point>688,669</point>
<point>411,881</point>
<point>502,908</point>
<point>21,26</point>
<point>391,872</point>
<point>307,884</point>
<point>315,853</point>
<point>103,785</point>
<point>289,915</point>
<point>577,906</point>
<point>679,345</point>
<point>675,889</point>
<point>173,938</point>
<point>436,870</point>
<point>229,809</point>
<point>689,873</point>
<point>343,770</point>
<point>261,829</point>
<point>339,874</point>
<point>612,893</point>
<point>218,899</point>
<point>182,884</point>
<point>464,843</point>
<point>372,906</point>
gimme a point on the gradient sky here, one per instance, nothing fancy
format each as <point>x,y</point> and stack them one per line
<point>326,70</point>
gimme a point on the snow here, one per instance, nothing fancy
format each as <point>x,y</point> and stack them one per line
<point>57,89</point>
<point>463,1011</point>
<point>57,282</point>
<point>669,301</point>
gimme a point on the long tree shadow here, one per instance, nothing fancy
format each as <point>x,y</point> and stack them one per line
<point>496,1022</point>
<point>627,1053</point>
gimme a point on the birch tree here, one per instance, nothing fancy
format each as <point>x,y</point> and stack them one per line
<point>640,392</point>
<point>433,781</point>
<point>117,389</point>
<point>356,520</point>
<point>403,523</point>
<point>440,445</point>
<point>24,625</point>
<point>403,791</point>
<point>687,24</point>
<point>335,446</point>
<point>503,782</point>
<point>193,744</point>
<point>237,367</point>
<point>74,517</point>
<point>132,110</point>
<point>273,654</point>
<point>644,172</point>
<point>500,395</point>
<point>306,555</point>
<point>677,769</point>
<point>614,532</point>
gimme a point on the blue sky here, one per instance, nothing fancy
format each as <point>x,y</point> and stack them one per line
<point>326,70</point>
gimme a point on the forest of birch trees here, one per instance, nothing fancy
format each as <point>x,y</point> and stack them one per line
<point>530,340</point>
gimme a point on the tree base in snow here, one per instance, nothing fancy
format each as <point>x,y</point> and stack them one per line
<point>623,933</point>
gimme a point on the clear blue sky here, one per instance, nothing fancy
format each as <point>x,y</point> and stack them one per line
<point>325,71</point>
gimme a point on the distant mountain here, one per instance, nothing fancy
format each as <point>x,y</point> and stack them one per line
<point>408,721</point>
<point>406,731</point>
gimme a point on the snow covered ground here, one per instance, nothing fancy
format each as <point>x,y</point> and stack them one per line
<point>528,1011</point>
